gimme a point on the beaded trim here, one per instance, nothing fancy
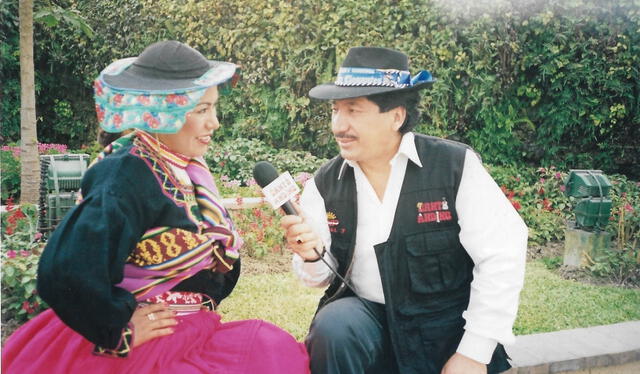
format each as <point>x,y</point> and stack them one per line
<point>121,350</point>
<point>183,303</point>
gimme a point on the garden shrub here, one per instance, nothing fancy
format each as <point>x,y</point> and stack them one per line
<point>540,82</point>
<point>9,175</point>
<point>10,166</point>
<point>20,249</point>
<point>236,158</point>
<point>621,263</point>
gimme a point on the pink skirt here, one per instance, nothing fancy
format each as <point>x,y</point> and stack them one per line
<point>200,344</point>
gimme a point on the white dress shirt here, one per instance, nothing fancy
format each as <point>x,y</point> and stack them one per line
<point>492,233</point>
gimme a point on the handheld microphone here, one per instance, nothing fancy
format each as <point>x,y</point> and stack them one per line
<point>264,173</point>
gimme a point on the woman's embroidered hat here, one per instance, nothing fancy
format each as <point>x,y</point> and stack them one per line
<point>156,90</point>
<point>369,71</point>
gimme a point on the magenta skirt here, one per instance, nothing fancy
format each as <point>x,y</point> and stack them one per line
<point>200,344</point>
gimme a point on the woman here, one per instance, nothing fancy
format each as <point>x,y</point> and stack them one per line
<point>136,269</point>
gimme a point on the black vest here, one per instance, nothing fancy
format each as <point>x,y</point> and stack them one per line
<point>426,272</point>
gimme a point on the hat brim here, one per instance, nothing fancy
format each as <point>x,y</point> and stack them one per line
<point>219,72</point>
<point>330,91</point>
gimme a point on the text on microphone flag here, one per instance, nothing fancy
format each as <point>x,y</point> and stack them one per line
<point>281,190</point>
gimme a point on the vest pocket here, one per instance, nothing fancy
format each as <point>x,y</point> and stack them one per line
<point>436,261</point>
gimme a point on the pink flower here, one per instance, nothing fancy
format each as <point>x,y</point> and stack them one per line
<point>563,188</point>
<point>558,175</point>
<point>11,253</point>
<point>541,180</point>
<point>628,208</point>
<point>37,236</point>
<point>25,253</point>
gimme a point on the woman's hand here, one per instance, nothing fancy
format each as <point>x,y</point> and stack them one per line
<point>300,237</point>
<point>152,321</point>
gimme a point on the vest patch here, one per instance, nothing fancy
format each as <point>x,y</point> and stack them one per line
<point>333,223</point>
<point>433,211</point>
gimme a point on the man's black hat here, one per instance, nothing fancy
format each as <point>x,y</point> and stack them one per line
<point>369,71</point>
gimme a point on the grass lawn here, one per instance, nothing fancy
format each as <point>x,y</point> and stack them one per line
<point>547,303</point>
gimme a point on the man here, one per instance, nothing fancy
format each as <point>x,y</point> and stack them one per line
<point>431,251</point>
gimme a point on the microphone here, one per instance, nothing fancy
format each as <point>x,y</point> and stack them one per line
<point>277,190</point>
<point>265,174</point>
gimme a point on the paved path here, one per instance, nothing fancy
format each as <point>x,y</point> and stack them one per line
<point>600,349</point>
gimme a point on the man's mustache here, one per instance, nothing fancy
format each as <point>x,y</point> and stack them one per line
<point>344,135</point>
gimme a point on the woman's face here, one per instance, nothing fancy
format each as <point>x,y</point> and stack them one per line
<point>194,137</point>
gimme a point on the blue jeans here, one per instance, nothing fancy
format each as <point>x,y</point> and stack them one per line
<point>349,337</point>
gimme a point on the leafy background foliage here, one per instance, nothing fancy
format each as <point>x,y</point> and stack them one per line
<point>536,81</point>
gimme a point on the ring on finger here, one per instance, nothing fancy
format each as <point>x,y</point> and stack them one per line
<point>299,240</point>
<point>151,317</point>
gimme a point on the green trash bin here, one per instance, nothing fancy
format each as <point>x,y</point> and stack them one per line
<point>61,179</point>
<point>58,204</point>
<point>593,211</point>
<point>65,171</point>
<point>592,188</point>
<point>587,183</point>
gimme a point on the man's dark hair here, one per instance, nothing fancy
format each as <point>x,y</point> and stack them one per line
<point>391,100</point>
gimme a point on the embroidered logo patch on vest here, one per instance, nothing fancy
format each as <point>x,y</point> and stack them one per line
<point>433,211</point>
<point>333,223</point>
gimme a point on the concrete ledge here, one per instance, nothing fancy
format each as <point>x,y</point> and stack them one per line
<point>600,349</point>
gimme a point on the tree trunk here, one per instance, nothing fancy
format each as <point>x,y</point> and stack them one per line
<point>29,160</point>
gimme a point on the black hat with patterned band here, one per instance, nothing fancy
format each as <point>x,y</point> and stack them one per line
<point>369,71</point>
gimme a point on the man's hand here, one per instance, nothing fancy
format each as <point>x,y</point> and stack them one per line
<point>300,237</point>
<point>461,364</point>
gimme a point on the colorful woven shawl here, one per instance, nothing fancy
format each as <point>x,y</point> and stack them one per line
<point>165,256</point>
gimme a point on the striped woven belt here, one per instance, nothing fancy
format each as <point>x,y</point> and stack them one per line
<point>183,303</point>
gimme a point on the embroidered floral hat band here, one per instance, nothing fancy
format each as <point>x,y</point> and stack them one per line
<point>154,91</point>
<point>369,71</point>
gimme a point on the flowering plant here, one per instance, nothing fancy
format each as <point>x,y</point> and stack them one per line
<point>20,250</point>
<point>10,165</point>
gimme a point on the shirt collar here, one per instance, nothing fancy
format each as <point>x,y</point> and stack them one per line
<point>407,148</point>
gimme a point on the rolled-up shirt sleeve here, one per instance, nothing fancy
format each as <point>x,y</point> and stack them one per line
<point>495,237</point>
<point>315,274</point>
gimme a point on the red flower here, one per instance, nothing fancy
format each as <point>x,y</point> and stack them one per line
<point>546,204</point>
<point>516,205</point>
<point>11,253</point>
<point>10,205</point>
<point>27,307</point>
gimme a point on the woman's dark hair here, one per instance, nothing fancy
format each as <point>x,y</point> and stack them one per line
<point>409,100</point>
<point>106,138</point>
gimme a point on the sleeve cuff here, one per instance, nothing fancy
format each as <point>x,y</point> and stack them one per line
<point>477,347</point>
<point>122,349</point>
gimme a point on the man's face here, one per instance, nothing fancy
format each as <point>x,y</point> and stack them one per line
<point>363,133</point>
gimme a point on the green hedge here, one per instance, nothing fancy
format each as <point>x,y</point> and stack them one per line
<point>542,82</point>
